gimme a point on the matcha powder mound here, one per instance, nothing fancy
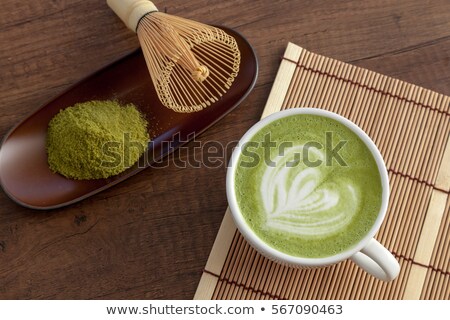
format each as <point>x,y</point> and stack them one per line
<point>96,139</point>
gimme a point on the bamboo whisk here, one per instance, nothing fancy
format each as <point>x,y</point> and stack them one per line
<point>191,64</point>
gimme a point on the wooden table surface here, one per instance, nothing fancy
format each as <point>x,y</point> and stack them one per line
<point>149,237</point>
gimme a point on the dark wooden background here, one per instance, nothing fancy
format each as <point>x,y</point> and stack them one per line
<point>149,237</point>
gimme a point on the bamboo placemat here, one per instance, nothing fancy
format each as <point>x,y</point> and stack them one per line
<point>411,127</point>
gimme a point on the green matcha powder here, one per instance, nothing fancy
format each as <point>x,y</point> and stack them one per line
<point>96,139</point>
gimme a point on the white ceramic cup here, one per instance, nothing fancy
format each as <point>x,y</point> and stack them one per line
<point>368,253</point>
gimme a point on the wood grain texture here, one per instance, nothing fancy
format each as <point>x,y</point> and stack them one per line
<point>150,236</point>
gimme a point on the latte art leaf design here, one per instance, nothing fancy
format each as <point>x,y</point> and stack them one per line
<point>306,201</point>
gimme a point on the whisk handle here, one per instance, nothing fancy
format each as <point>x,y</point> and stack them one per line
<point>131,11</point>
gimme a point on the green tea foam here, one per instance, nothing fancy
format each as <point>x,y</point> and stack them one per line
<point>313,191</point>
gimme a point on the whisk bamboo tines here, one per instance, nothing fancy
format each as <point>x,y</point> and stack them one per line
<point>191,64</point>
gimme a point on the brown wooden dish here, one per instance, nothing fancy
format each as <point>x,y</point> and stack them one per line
<point>24,172</point>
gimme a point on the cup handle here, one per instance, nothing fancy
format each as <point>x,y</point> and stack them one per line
<point>377,260</point>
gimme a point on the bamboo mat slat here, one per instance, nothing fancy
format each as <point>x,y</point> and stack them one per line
<point>411,127</point>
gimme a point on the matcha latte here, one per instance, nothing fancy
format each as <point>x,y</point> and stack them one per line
<point>308,186</point>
